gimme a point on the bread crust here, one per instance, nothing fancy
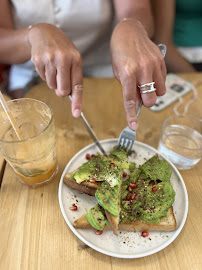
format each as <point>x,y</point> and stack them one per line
<point>90,189</point>
<point>85,187</point>
<point>167,224</point>
<point>113,221</point>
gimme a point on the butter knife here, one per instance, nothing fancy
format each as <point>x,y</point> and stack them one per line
<point>91,132</point>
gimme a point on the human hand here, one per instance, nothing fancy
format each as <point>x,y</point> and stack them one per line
<point>58,62</point>
<point>136,60</point>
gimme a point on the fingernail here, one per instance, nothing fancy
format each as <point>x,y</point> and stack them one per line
<point>76,113</point>
<point>64,92</point>
<point>134,125</point>
<point>57,93</point>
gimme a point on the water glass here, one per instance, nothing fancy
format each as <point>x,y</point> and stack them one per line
<point>181,141</point>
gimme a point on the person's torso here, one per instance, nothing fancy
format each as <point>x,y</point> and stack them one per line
<point>86,22</point>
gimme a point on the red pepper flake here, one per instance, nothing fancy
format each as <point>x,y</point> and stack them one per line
<point>112,165</point>
<point>145,234</point>
<point>92,181</point>
<point>92,155</point>
<point>133,185</point>
<point>141,179</point>
<point>88,157</point>
<point>73,208</point>
<point>124,174</point>
<point>98,232</point>
<point>154,189</point>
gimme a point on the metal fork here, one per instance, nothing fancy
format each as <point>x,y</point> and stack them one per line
<point>127,136</point>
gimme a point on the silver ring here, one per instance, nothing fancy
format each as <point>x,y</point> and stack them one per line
<point>147,88</point>
<point>148,91</point>
<point>151,84</point>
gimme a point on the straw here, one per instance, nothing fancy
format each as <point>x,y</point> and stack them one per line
<point>11,118</point>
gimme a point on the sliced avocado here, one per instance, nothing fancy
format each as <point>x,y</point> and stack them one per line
<point>156,203</point>
<point>108,198</point>
<point>120,156</point>
<point>135,175</point>
<point>152,199</point>
<point>96,218</point>
<point>154,216</point>
<point>90,170</point>
<point>99,168</point>
<point>132,166</point>
<point>156,169</point>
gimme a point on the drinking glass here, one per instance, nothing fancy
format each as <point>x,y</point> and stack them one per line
<point>181,141</point>
<point>32,158</point>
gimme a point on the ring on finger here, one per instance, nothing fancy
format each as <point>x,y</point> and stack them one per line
<point>147,88</point>
<point>148,91</point>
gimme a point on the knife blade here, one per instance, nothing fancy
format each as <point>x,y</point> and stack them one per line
<point>91,132</point>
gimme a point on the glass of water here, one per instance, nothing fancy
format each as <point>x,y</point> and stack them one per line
<point>181,141</point>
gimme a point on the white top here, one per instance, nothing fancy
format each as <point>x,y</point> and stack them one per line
<point>191,54</point>
<point>88,23</point>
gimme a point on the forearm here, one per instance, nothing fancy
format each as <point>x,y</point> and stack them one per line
<point>144,17</point>
<point>14,48</point>
<point>175,62</point>
<point>138,10</point>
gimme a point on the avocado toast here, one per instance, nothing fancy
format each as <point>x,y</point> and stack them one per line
<point>144,200</point>
<point>102,177</point>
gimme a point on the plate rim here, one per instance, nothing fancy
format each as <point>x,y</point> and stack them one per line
<point>112,254</point>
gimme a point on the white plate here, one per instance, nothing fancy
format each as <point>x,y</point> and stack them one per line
<point>127,244</point>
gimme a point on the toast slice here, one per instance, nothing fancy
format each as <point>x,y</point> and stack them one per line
<point>102,177</point>
<point>166,224</point>
<point>85,187</point>
<point>90,189</point>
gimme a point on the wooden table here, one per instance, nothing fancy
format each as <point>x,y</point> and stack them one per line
<point>33,233</point>
<point>2,161</point>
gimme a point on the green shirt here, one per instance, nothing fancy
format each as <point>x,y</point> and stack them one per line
<point>188,23</point>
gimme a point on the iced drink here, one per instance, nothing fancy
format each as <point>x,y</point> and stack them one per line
<point>34,157</point>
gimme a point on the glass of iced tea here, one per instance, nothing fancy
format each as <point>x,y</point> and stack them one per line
<point>33,157</point>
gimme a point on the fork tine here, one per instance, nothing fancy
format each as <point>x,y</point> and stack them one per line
<point>130,146</point>
<point>127,143</point>
<point>119,142</point>
<point>123,143</point>
<point>127,136</point>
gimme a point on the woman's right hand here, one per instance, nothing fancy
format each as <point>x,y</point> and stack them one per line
<point>58,62</point>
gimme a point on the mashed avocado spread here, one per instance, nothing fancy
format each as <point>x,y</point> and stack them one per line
<point>147,194</point>
<point>101,168</point>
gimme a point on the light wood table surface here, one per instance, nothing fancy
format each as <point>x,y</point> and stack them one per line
<point>33,232</point>
<point>2,161</point>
